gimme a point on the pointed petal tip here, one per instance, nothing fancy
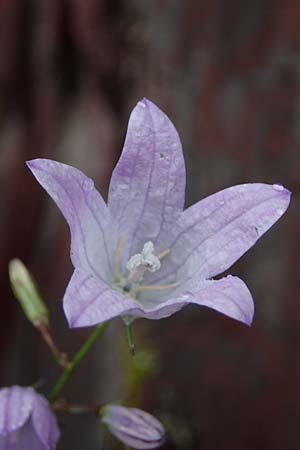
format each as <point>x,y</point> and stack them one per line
<point>288,196</point>
<point>248,323</point>
<point>145,102</point>
<point>283,196</point>
<point>248,318</point>
<point>70,318</point>
<point>33,164</point>
<point>30,163</point>
<point>281,190</point>
<point>287,193</point>
<point>145,105</point>
<point>141,103</point>
<point>70,321</point>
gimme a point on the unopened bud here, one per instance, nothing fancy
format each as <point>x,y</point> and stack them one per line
<point>26,292</point>
<point>134,427</point>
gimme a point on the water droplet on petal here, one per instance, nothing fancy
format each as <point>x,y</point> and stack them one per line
<point>88,184</point>
<point>279,211</point>
<point>278,187</point>
<point>142,104</point>
<point>221,202</point>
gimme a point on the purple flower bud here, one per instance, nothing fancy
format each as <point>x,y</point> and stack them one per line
<point>26,420</point>
<point>134,427</point>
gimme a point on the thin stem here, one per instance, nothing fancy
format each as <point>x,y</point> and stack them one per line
<point>64,378</point>
<point>60,357</point>
<point>129,338</point>
<point>61,405</point>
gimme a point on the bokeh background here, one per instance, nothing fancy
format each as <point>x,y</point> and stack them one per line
<point>227,74</point>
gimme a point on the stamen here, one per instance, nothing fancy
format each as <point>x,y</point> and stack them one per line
<point>117,256</point>
<point>163,254</point>
<point>157,287</point>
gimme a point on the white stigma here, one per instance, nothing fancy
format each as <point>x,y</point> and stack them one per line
<point>140,262</point>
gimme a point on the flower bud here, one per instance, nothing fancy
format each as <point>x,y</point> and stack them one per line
<point>26,292</point>
<point>134,427</point>
<point>26,420</point>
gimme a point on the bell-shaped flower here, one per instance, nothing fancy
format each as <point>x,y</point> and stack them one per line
<point>134,427</point>
<point>26,420</point>
<point>142,254</point>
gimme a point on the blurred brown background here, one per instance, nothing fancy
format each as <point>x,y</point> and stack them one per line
<point>227,74</point>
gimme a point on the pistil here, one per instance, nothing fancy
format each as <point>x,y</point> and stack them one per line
<point>137,265</point>
<point>140,262</point>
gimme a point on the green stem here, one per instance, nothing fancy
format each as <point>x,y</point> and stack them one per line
<point>129,338</point>
<point>64,378</point>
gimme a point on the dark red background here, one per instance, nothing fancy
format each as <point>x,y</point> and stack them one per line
<point>227,73</point>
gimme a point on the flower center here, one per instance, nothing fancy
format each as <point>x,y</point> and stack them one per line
<point>131,284</point>
<point>140,262</point>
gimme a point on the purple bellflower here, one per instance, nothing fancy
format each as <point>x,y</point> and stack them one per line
<point>141,254</point>
<point>26,420</point>
<point>134,427</point>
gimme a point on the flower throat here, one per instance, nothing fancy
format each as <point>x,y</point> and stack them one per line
<point>131,284</point>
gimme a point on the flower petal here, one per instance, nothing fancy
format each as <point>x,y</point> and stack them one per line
<point>44,422</point>
<point>24,438</point>
<point>26,420</point>
<point>229,296</point>
<point>212,234</point>
<point>132,442</point>
<point>84,210</point>
<point>134,427</point>
<point>148,183</point>
<point>88,301</point>
<point>15,408</point>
